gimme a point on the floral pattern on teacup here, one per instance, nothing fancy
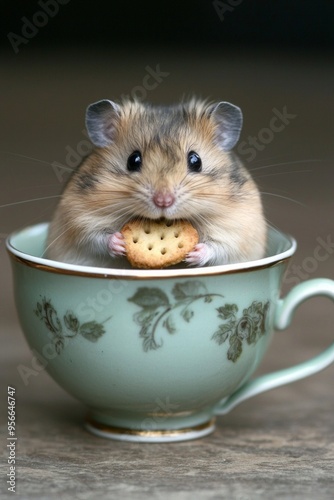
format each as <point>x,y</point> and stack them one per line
<point>249,327</point>
<point>68,327</point>
<point>157,310</point>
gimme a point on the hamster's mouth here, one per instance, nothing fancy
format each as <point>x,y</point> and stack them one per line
<point>154,212</point>
<point>168,221</point>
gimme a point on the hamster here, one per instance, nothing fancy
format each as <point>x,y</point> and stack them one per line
<point>171,162</point>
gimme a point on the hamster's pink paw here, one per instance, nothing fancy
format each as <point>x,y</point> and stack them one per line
<point>200,255</point>
<point>116,245</point>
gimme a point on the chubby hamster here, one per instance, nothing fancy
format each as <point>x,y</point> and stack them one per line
<point>171,162</point>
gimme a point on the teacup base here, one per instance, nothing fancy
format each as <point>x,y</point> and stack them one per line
<point>150,436</point>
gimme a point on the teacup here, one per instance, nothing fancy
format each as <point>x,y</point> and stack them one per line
<point>156,355</point>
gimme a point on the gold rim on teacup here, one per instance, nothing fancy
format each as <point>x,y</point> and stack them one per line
<point>53,266</point>
<point>158,436</point>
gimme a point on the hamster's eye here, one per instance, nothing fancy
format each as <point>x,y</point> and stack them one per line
<point>194,162</point>
<point>134,162</point>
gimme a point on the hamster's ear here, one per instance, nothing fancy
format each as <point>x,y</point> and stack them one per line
<point>101,121</point>
<point>228,119</point>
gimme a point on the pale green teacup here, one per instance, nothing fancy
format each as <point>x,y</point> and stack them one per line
<point>156,355</point>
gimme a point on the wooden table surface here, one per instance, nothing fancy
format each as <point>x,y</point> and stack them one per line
<point>278,445</point>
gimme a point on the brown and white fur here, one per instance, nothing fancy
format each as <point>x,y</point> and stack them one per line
<point>221,200</point>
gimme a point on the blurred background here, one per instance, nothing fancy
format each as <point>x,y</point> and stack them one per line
<point>273,59</point>
<point>269,58</point>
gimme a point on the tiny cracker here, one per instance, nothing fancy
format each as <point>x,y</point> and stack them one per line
<point>157,244</point>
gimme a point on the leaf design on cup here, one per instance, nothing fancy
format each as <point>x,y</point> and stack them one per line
<point>250,327</point>
<point>71,321</point>
<point>235,349</point>
<point>187,314</point>
<point>182,291</point>
<point>92,330</point>
<point>69,328</point>
<point>169,324</point>
<point>47,313</point>
<point>227,311</point>
<point>223,332</point>
<point>156,308</point>
<point>149,298</point>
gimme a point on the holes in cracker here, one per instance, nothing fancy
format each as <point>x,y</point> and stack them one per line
<point>162,236</point>
<point>147,228</point>
<point>168,223</point>
<point>163,251</point>
<point>150,246</point>
<point>176,234</point>
<point>135,239</point>
<point>180,245</point>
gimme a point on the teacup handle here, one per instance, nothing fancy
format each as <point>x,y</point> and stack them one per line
<point>283,317</point>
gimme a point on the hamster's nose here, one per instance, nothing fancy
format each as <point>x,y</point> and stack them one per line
<point>163,199</point>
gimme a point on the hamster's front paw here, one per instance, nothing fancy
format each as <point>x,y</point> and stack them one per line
<point>201,254</point>
<point>116,245</point>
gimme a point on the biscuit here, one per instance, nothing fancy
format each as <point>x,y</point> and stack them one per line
<point>157,244</point>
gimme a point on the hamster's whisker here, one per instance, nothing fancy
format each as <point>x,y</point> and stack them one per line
<point>118,192</point>
<point>282,173</point>
<point>271,224</point>
<point>70,224</point>
<point>265,159</point>
<point>119,214</point>
<point>200,182</point>
<point>30,201</point>
<point>26,188</point>
<point>218,196</point>
<point>64,167</point>
<point>195,211</point>
<point>283,197</point>
<point>106,210</point>
<point>285,163</point>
